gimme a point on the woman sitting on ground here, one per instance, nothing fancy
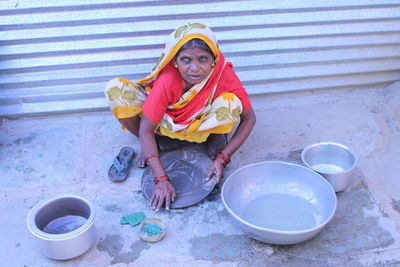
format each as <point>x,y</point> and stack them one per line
<point>192,94</point>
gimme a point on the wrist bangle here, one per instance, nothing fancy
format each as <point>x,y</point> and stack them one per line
<point>223,158</point>
<point>161,178</point>
<point>150,157</point>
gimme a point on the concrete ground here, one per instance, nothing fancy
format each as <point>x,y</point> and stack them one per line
<point>47,156</point>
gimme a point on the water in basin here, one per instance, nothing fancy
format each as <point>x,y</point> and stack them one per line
<point>328,168</point>
<point>282,212</point>
<point>64,224</point>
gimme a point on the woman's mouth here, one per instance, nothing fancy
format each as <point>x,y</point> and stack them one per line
<point>194,78</point>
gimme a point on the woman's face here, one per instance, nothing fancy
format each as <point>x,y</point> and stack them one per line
<point>194,64</point>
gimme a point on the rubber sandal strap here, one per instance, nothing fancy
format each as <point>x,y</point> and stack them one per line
<point>120,166</point>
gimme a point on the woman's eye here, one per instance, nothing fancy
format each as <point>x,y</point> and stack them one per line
<point>203,59</point>
<point>185,60</point>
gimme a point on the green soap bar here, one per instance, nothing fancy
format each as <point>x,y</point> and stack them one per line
<point>133,219</point>
<point>151,229</point>
<point>123,220</point>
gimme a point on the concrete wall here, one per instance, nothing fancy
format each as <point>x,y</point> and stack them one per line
<point>56,56</point>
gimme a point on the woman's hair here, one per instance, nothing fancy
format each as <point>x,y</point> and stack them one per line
<point>195,43</point>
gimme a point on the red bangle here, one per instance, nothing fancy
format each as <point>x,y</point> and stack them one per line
<point>150,157</point>
<point>223,158</point>
<point>161,178</point>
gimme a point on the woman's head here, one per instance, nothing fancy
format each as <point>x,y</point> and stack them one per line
<point>186,38</point>
<point>194,61</point>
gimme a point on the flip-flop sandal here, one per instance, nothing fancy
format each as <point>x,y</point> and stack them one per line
<point>119,170</point>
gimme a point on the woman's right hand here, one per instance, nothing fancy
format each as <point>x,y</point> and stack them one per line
<point>162,192</point>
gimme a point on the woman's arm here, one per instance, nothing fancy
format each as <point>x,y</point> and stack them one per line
<point>247,122</point>
<point>163,191</point>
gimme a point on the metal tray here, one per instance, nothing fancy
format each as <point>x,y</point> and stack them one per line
<point>187,168</point>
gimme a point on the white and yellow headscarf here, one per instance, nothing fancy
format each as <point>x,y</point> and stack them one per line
<point>217,116</point>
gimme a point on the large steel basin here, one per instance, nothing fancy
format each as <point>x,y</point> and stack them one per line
<point>278,202</point>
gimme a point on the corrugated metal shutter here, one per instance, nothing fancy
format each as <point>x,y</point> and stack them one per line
<point>56,56</point>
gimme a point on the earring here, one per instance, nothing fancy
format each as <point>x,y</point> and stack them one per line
<point>176,66</point>
<point>213,65</point>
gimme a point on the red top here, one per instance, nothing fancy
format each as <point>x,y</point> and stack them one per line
<point>167,88</point>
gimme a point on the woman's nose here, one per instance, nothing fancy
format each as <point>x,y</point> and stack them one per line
<point>194,66</point>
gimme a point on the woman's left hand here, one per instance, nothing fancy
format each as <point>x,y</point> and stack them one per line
<point>217,170</point>
<point>247,121</point>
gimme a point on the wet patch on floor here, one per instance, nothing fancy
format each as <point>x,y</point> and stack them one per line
<point>396,205</point>
<point>25,169</point>
<point>204,216</point>
<point>354,228</point>
<point>41,156</point>
<point>25,140</point>
<point>293,156</point>
<point>219,247</point>
<point>19,141</point>
<point>215,195</point>
<point>113,244</point>
<point>174,212</point>
<point>112,208</point>
<point>183,218</point>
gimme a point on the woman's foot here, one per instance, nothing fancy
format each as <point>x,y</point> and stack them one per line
<point>141,161</point>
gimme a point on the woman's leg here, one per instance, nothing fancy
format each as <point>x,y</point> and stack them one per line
<point>215,144</point>
<point>132,124</point>
<point>222,118</point>
<point>125,100</point>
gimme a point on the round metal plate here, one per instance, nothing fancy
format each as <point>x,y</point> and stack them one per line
<point>187,169</point>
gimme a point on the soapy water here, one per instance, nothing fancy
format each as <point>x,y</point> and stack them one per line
<point>328,168</point>
<point>64,224</point>
<point>282,212</point>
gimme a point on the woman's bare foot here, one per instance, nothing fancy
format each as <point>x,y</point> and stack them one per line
<point>141,161</point>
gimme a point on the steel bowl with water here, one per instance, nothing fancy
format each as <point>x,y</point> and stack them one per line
<point>63,226</point>
<point>332,160</point>
<point>278,202</point>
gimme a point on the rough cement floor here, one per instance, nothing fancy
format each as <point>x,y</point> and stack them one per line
<point>44,157</point>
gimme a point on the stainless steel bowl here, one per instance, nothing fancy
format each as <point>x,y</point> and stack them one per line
<point>63,226</point>
<point>278,202</point>
<point>332,160</point>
